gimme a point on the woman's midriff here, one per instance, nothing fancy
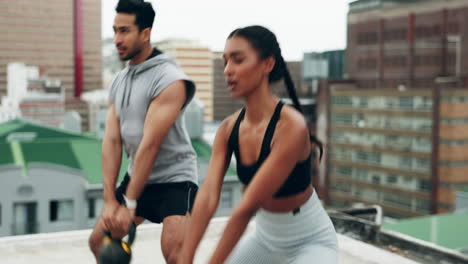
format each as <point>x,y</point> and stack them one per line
<point>287,204</point>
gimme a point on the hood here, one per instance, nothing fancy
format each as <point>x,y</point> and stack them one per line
<point>132,71</point>
<point>150,63</point>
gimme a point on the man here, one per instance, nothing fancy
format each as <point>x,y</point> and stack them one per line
<point>147,99</point>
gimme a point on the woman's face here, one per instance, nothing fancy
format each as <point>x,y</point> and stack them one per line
<point>244,71</point>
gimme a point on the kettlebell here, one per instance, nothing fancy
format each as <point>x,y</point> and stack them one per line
<point>117,251</point>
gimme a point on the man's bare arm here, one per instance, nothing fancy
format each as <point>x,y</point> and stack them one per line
<point>111,154</point>
<point>162,113</point>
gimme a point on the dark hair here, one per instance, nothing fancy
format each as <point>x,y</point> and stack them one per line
<point>143,11</point>
<point>265,42</point>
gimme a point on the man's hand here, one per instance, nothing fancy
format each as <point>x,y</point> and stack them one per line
<point>184,259</point>
<point>108,214</point>
<point>123,218</point>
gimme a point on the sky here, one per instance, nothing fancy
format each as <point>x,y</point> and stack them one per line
<point>300,25</point>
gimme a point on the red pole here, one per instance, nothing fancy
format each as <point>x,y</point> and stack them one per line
<point>78,47</point>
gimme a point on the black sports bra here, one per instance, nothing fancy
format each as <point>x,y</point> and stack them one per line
<point>298,180</point>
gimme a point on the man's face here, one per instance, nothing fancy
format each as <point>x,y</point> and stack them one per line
<point>127,37</point>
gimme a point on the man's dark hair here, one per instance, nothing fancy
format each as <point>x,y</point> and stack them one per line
<point>143,11</point>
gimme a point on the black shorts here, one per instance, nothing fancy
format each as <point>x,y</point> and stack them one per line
<point>159,200</point>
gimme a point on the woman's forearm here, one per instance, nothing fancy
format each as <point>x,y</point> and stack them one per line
<point>204,209</point>
<point>234,230</point>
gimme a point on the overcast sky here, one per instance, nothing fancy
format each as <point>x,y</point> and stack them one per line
<point>300,25</point>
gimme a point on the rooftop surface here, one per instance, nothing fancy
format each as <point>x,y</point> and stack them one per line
<point>71,248</point>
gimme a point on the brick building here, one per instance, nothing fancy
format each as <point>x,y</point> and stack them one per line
<point>62,37</point>
<point>397,131</point>
<point>392,43</point>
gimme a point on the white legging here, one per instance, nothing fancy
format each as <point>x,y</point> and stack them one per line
<point>305,237</point>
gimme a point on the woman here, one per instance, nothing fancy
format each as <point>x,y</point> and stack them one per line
<point>273,149</point>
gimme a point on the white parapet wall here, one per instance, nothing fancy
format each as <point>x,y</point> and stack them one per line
<point>72,248</point>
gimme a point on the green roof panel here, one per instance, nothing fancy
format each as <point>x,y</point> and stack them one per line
<point>77,151</point>
<point>202,149</point>
<point>6,156</point>
<point>41,132</point>
<point>7,127</point>
<point>50,152</point>
<point>88,153</point>
<point>443,230</point>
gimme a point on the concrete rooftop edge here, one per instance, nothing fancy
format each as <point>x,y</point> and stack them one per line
<point>72,247</point>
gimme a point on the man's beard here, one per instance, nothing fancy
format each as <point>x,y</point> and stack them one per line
<point>131,55</point>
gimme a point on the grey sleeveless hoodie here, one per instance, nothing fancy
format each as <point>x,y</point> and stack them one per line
<point>132,91</point>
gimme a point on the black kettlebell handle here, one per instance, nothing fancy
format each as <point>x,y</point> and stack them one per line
<point>131,234</point>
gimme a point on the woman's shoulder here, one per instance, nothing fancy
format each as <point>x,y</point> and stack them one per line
<point>290,118</point>
<point>227,124</point>
<point>292,127</point>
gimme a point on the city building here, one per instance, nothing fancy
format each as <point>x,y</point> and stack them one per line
<point>51,179</point>
<point>98,103</point>
<point>322,65</point>
<point>195,60</point>
<point>62,38</point>
<point>402,149</point>
<point>38,98</point>
<point>392,43</point>
<point>462,200</point>
<point>396,131</point>
<point>9,110</point>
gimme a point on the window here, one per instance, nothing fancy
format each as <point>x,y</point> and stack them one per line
<point>423,206</point>
<point>91,208</point>
<point>61,210</point>
<point>406,102</point>
<point>25,218</point>
<point>344,171</point>
<point>397,200</point>
<point>226,198</point>
<point>375,179</point>
<point>95,205</point>
<point>361,155</point>
<point>341,187</point>
<point>341,101</point>
<point>405,163</point>
<point>363,102</point>
<point>342,119</point>
<point>361,174</point>
<point>423,164</point>
<point>374,158</point>
<point>392,179</point>
<point>424,185</point>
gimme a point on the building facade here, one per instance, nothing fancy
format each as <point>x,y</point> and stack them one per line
<point>405,150</point>
<point>322,65</point>
<point>51,179</point>
<point>196,61</point>
<point>407,43</point>
<point>62,38</point>
<point>397,130</point>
